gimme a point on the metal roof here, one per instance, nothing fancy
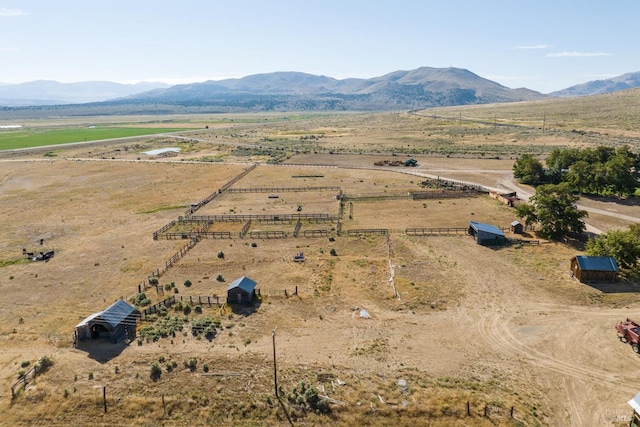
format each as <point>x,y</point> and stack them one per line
<point>635,403</point>
<point>115,314</point>
<point>597,263</point>
<point>243,283</point>
<point>487,228</point>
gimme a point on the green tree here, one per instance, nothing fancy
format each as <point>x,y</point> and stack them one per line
<point>528,213</point>
<point>556,211</point>
<point>559,160</point>
<point>623,245</point>
<point>620,176</point>
<point>579,176</point>
<point>528,170</point>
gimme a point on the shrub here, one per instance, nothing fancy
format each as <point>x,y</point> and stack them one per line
<point>254,245</point>
<point>187,283</point>
<point>141,300</point>
<point>220,278</point>
<point>221,255</point>
<point>192,364</point>
<point>333,252</point>
<point>156,371</point>
<point>153,280</point>
<point>44,363</point>
<point>25,363</point>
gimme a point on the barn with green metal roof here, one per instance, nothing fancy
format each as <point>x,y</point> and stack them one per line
<point>486,234</point>
<point>115,323</point>
<point>594,268</point>
<point>241,291</point>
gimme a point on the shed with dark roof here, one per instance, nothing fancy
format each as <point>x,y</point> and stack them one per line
<point>594,268</point>
<point>486,234</point>
<point>115,323</point>
<point>241,291</point>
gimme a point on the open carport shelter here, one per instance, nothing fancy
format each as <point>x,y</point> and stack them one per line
<point>241,291</point>
<point>115,323</point>
<point>486,234</point>
<point>594,268</point>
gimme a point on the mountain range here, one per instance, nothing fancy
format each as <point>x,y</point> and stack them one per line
<point>48,92</point>
<point>288,91</point>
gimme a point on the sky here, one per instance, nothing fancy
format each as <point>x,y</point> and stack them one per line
<point>541,45</point>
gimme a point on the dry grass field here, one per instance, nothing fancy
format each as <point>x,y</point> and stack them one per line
<point>458,323</point>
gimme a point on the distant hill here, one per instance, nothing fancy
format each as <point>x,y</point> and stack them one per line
<point>287,91</point>
<point>599,87</point>
<point>46,92</point>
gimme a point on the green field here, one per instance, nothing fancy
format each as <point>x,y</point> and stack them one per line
<point>29,138</point>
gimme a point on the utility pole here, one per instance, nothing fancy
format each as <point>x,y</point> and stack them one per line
<point>544,121</point>
<point>275,370</point>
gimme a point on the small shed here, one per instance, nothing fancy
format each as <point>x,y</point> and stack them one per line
<point>241,291</point>
<point>635,404</point>
<point>115,323</point>
<point>486,234</point>
<point>594,268</point>
<point>516,227</point>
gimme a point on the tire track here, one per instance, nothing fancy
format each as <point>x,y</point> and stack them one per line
<point>496,331</point>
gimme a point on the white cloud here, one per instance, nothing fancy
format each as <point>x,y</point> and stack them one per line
<point>576,54</point>
<point>12,12</point>
<point>8,49</point>
<point>536,46</point>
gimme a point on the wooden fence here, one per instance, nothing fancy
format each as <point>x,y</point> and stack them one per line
<point>522,242</point>
<point>373,197</point>
<point>275,217</point>
<point>282,189</point>
<point>202,300</point>
<point>238,178</point>
<point>367,232</point>
<point>451,184</point>
<point>167,302</point>
<point>267,234</point>
<point>443,194</point>
<point>199,235</point>
<point>436,231</point>
<point>163,229</point>
<point>24,380</point>
<point>245,229</point>
<point>315,233</point>
<point>194,207</point>
<point>296,230</point>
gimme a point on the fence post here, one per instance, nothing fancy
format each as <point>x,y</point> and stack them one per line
<point>104,398</point>
<point>468,409</point>
<point>485,410</point>
<point>512,412</point>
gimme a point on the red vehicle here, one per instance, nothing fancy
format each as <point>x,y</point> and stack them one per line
<point>629,332</point>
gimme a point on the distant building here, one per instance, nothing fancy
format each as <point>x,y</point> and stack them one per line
<point>487,235</point>
<point>517,227</point>
<point>115,323</point>
<point>241,291</point>
<point>594,268</point>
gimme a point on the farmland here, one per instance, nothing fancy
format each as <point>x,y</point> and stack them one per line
<point>30,138</point>
<point>470,330</point>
